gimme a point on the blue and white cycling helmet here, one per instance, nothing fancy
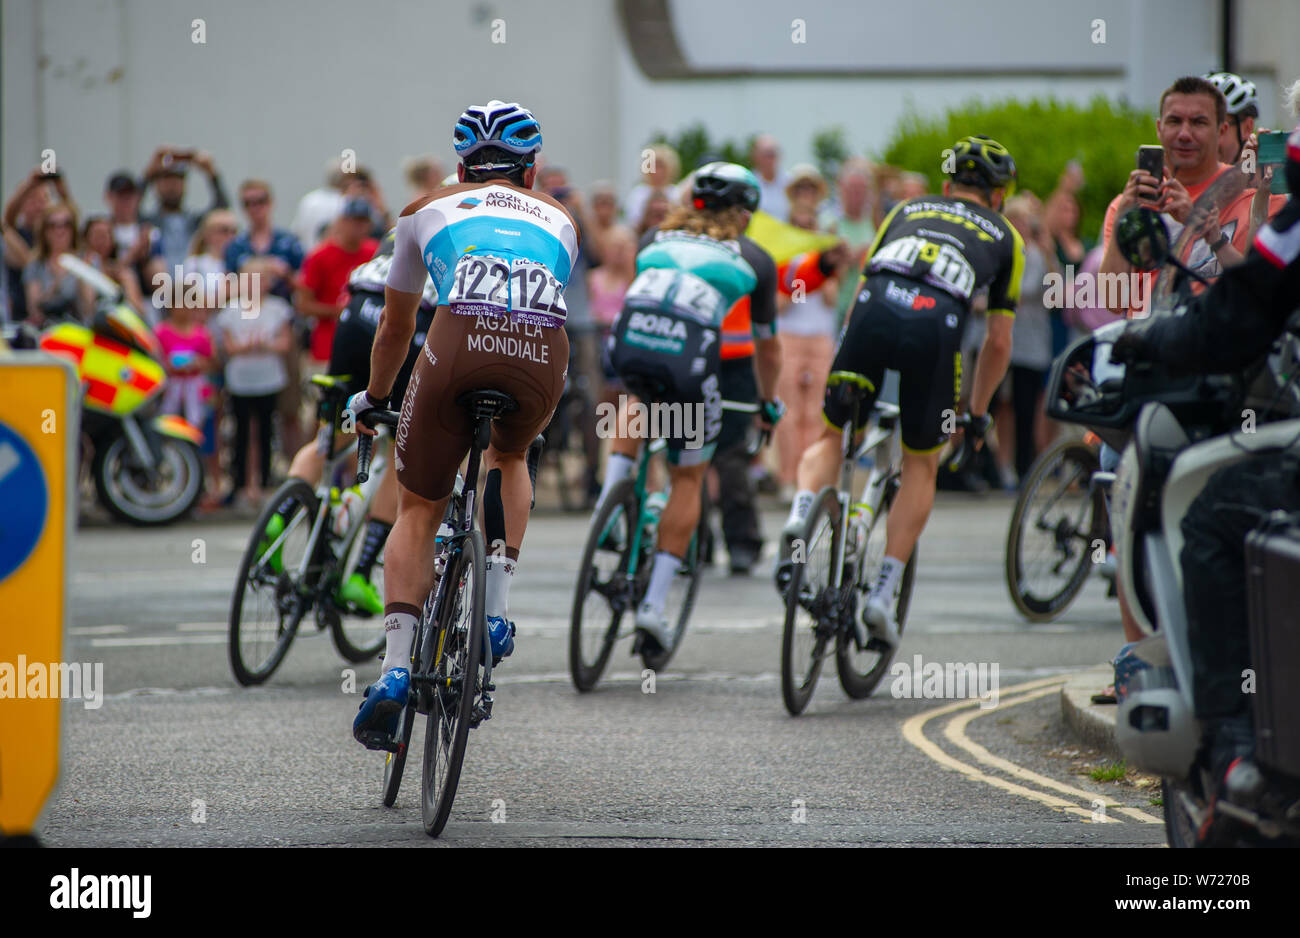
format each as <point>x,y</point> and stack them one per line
<point>497,124</point>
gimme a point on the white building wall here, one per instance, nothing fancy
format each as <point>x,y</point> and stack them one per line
<point>280,87</point>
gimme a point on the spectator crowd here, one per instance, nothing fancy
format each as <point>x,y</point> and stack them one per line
<point>239,377</point>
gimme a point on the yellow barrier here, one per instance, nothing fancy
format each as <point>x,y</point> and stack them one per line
<point>39,429</point>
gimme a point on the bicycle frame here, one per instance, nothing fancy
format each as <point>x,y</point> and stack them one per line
<point>333,459</point>
<point>643,464</point>
<point>878,441</point>
<point>308,588</point>
<point>462,523</point>
<point>645,517</point>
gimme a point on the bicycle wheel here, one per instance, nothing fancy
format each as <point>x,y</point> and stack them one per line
<point>810,605</point>
<point>1055,522</point>
<point>861,668</point>
<point>268,602</point>
<point>602,596</point>
<point>360,637</point>
<point>456,673</point>
<point>395,762</point>
<point>683,590</point>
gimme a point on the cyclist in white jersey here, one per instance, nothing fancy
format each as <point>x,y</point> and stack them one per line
<point>500,256</point>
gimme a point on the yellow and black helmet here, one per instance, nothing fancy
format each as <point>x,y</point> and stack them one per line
<point>984,157</point>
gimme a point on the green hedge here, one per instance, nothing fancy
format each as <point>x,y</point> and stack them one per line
<point>1043,136</point>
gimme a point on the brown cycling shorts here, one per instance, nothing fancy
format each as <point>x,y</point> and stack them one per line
<point>475,353</point>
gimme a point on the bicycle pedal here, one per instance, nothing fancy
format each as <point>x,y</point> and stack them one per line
<point>481,711</point>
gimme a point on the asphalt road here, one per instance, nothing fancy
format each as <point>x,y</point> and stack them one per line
<point>178,754</point>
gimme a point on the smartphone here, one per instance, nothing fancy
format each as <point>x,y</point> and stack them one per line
<point>1272,149</point>
<point>1151,160</point>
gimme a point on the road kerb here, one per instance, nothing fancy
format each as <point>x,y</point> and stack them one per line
<point>1093,723</point>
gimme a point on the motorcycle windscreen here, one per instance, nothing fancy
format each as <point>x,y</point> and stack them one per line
<point>122,323</point>
<point>118,379</point>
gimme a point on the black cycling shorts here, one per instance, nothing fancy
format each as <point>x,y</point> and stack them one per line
<point>355,334</point>
<point>915,330</point>
<point>671,362</point>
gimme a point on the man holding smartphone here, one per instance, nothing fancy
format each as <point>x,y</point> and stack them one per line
<point>1193,117</point>
<point>166,173</point>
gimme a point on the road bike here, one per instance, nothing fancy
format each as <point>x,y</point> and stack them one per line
<point>1060,529</point>
<point>451,656</point>
<point>836,558</point>
<point>303,545</point>
<point>615,573</point>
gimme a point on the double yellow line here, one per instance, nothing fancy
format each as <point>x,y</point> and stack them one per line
<point>955,732</point>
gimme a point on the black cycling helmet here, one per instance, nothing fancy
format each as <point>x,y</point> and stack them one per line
<point>985,157</point>
<point>722,185</point>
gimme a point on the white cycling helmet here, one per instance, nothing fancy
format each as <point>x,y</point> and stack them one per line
<point>1237,92</point>
<point>507,127</point>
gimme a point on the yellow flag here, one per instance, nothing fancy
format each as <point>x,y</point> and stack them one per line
<point>784,241</point>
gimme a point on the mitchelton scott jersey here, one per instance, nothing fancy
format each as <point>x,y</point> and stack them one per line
<point>490,248</point>
<point>952,244</point>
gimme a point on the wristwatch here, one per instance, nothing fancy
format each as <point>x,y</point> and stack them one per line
<point>1223,239</point>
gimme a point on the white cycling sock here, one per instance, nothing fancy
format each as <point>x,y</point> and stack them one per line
<point>399,631</point>
<point>661,578</point>
<point>500,574</point>
<point>803,500</point>
<point>618,468</point>
<point>891,570</point>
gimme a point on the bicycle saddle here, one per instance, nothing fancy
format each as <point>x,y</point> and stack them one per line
<point>487,402</point>
<point>851,385</point>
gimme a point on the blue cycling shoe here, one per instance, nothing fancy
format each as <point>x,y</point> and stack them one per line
<point>377,720</point>
<point>502,633</point>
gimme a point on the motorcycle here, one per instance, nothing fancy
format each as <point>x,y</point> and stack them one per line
<point>1175,430</point>
<point>146,466</point>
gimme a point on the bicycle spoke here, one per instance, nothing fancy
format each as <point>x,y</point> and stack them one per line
<point>1053,532</point>
<point>267,604</point>
<point>604,595</point>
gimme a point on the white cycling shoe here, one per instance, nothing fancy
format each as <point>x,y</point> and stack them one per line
<point>655,624</point>
<point>878,616</point>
